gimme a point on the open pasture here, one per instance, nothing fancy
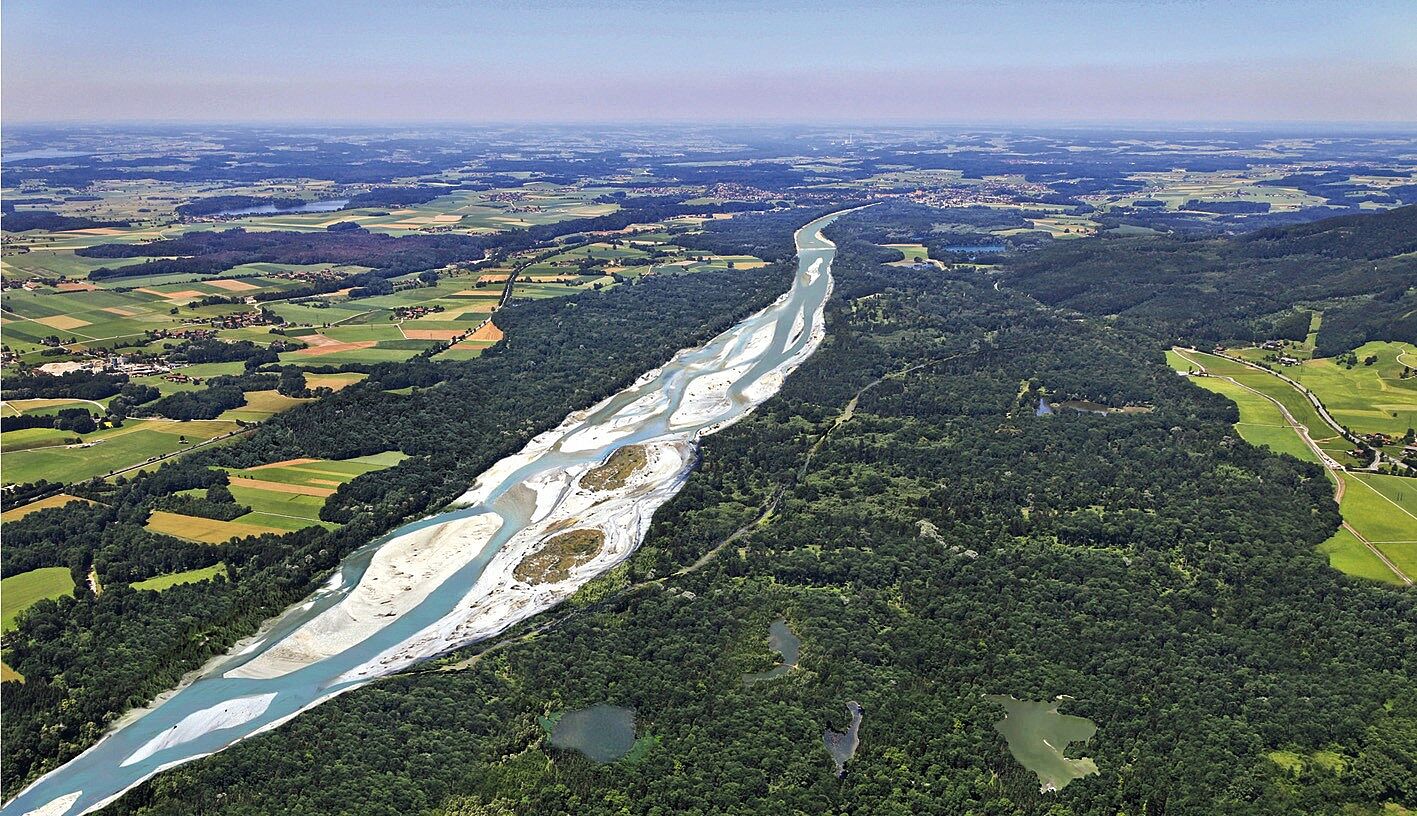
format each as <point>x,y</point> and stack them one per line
<point>1383,509</point>
<point>914,253</point>
<point>106,451</point>
<point>20,592</point>
<point>1366,398</point>
<point>160,582</point>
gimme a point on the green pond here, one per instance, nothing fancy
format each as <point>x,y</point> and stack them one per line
<point>1038,737</point>
<point>781,640</point>
<point>602,732</point>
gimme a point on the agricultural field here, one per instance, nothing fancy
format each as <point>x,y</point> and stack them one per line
<point>106,451</point>
<point>289,495</point>
<point>57,500</point>
<point>1177,187</point>
<point>460,211</point>
<point>20,592</point>
<point>160,582</point>
<point>1367,398</point>
<point>1382,509</point>
<point>204,530</point>
<point>283,496</point>
<point>603,264</point>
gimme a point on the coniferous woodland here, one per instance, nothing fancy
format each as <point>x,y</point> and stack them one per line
<point>929,537</point>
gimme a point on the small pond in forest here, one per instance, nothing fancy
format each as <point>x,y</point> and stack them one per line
<point>842,745</point>
<point>1038,737</point>
<point>781,640</point>
<point>602,732</point>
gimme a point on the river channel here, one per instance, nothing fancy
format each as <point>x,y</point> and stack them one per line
<point>447,580</point>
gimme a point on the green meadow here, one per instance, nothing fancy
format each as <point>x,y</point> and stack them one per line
<point>20,592</point>
<point>160,582</point>
<point>107,450</point>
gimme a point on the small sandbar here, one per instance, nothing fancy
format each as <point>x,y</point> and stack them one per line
<point>223,715</point>
<point>617,469</point>
<point>553,561</point>
<point>57,807</point>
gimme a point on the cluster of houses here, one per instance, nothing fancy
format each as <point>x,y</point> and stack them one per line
<point>1280,346</point>
<point>414,312</point>
<point>241,320</point>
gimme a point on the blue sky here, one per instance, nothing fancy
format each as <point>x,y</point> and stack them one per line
<point>1092,60</point>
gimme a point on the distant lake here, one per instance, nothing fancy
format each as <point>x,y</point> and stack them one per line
<point>43,153</point>
<point>332,205</point>
<point>602,732</point>
<point>977,249</point>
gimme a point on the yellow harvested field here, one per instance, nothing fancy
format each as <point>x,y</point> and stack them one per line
<point>285,463</point>
<point>487,331</point>
<point>430,334</point>
<point>182,295</point>
<point>493,279</point>
<point>59,500</point>
<point>61,322</point>
<point>120,312</point>
<point>271,401</point>
<point>233,285</point>
<point>331,348</point>
<point>278,487</point>
<point>334,382</point>
<point>447,219</point>
<point>145,290</point>
<point>205,530</point>
<point>98,231</point>
<point>76,287</point>
<point>403,212</point>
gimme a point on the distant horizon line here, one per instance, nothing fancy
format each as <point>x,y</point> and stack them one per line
<point>1211,125</point>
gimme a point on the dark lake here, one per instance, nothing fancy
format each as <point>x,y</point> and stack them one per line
<point>602,732</point>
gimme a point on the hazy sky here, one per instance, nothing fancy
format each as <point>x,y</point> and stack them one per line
<point>350,60</point>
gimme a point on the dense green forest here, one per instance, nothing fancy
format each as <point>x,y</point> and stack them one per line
<point>941,544</point>
<point>88,658</point>
<point>1360,269</point>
